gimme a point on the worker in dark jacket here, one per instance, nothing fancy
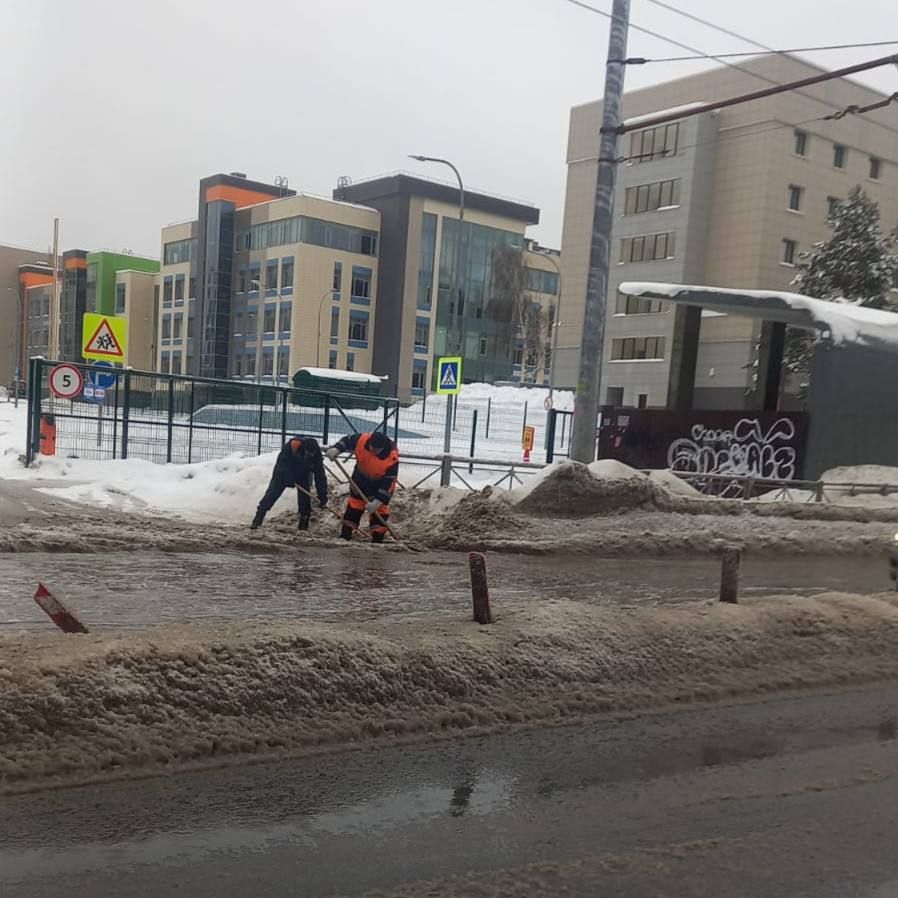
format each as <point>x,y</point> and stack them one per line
<point>373,481</point>
<point>296,463</point>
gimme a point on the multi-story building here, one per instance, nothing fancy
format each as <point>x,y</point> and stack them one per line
<point>36,286</point>
<point>728,198</point>
<point>285,280</point>
<point>438,293</point>
<point>12,303</point>
<point>136,300</point>
<point>72,297</point>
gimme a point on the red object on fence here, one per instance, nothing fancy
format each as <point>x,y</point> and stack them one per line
<point>58,613</point>
<point>47,434</point>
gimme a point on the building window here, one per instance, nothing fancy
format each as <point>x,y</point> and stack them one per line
<point>335,323</point>
<point>286,319</point>
<point>338,277</point>
<point>483,345</point>
<point>350,361</point>
<point>519,356</point>
<point>642,400</point>
<point>419,378</point>
<point>255,276</point>
<point>251,364</point>
<point>332,359</point>
<point>176,363</point>
<point>191,289</point>
<point>361,284</point>
<point>267,364</point>
<point>654,143</point>
<point>165,366</point>
<point>314,231</point>
<point>800,142</point>
<point>179,324</point>
<point>875,166</point>
<point>651,197</point>
<point>283,362</point>
<point>119,299</point>
<point>539,281</point>
<point>271,276</point>
<point>166,327</point>
<point>179,288</point>
<point>648,248</point>
<point>789,248</point>
<point>637,348</point>
<point>252,324</point>
<point>241,281</point>
<point>167,288</point>
<point>269,320</point>
<point>795,197</point>
<point>358,328</point>
<point>422,334</point>
<point>832,205</point>
<point>426,256</point>
<point>287,274</point>
<point>238,365</point>
<point>637,305</point>
<point>839,154</point>
<point>190,328</point>
<point>178,251</point>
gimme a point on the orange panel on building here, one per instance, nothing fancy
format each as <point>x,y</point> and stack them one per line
<point>239,196</point>
<point>30,279</point>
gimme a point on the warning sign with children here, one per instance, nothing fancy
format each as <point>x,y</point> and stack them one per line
<point>105,337</point>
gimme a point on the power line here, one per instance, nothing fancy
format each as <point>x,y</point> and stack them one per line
<point>722,60</point>
<point>642,60</point>
<point>705,22</point>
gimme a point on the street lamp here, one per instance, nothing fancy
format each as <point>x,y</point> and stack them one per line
<point>450,399</point>
<point>557,319</point>
<point>18,356</point>
<point>324,296</point>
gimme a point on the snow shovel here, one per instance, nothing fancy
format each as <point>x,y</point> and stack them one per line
<point>354,486</point>
<point>339,517</point>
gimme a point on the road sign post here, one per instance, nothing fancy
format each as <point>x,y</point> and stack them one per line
<point>448,385</point>
<point>66,381</point>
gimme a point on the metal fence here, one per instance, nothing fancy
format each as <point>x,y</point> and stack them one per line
<point>173,418</point>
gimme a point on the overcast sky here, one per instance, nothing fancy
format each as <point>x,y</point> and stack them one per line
<point>112,110</point>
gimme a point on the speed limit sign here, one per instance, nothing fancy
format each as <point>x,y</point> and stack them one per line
<point>66,381</point>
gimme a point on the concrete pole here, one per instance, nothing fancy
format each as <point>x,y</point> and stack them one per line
<point>586,401</point>
<point>53,348</point>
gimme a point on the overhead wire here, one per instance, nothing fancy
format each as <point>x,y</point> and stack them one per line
<point>747,53</point>
<point>676,43</point>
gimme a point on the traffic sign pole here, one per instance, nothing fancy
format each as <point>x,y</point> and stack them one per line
<point>447,436</point>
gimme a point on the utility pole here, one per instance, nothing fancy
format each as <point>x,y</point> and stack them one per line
<point>53,348</point>
<point>586,401</point>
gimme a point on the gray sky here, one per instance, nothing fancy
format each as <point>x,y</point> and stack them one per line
<point>154,94</point>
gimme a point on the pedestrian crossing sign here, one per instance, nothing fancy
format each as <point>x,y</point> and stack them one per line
<point>104,337</point>
<point>449,376</point>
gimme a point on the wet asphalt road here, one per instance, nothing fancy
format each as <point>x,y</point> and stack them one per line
<point>793,797</point>
<point>122,590</point>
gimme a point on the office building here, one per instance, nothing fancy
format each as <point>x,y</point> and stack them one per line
<point>265,281</point>
<point>728,198</point>
<point>438,294</point>
<point>12,296</point>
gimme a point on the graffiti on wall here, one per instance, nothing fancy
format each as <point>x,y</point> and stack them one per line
<point>744,451</point>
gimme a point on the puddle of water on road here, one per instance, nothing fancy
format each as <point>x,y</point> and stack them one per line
<point>121,590</point>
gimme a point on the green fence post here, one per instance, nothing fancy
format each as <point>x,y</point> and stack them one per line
<point>550,435</point>
<point>261,414</point>
<point>327,419</point>
<point>284,419</point>
<point>473,441</point>
<point>171,419</point>
<point>190,423</point>
<point>35,382</point>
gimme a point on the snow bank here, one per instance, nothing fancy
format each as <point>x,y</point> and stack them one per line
<point>875,475</point>
<point>75,709</point>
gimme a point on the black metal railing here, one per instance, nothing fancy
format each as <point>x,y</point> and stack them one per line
<point>172,418</point>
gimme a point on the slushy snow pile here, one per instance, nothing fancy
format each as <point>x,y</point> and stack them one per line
<point>74,709</point>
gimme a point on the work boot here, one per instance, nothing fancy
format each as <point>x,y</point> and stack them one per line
<point>346,533</point>
<point>303,524</point>
<point>257,521</point>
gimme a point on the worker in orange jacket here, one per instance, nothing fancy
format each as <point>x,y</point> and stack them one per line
<point>373,481</point>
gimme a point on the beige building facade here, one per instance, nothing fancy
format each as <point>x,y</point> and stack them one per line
<point>728,198</point>
<point>135,300</point>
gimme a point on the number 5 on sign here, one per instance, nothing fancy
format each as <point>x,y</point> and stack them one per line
<point>105,338</point>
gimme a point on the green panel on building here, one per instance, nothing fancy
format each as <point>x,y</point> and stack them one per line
<point>101,270</point>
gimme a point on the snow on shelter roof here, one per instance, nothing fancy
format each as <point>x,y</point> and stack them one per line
<point>841,320</point>
<point>334,374</point>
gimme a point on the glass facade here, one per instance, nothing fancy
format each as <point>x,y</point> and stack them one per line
<point>218,264</point>
<point>178,251</point>
<point>468,310</point>
<point>539,281</point>
<point>426,256</point>
<point>72,305</point>
<point>300,229</point>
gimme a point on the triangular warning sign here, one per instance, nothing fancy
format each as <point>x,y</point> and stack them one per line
<point>104,343</point>
<point>448,381</point>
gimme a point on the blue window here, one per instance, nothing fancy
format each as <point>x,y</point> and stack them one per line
<point>167,284</point>
<point>419,377</point>
<point>271,277</point>
<point>179,289</point>
<point>255,276</point>
<point>361,286</point>
<point>165,367</point>
<point>338,277</point>
<point>286,319</point>
<point>422,334</point>
<point>425,261</point>
<point>332,359</point>
<point>287,274</point>
<point>358,329</point>
<point>350,361</point>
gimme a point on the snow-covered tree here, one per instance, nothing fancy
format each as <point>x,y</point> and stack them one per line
<point>857,264</point>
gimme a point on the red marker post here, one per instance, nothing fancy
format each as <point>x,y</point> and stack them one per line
<point>57,612</point>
